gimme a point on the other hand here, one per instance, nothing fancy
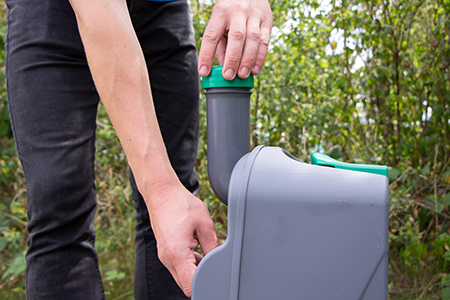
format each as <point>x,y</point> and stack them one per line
<point>180,224</point>
<point>238,33</point>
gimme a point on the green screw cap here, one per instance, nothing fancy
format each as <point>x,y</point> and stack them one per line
<point>324,160</point>
<point>216,80</point>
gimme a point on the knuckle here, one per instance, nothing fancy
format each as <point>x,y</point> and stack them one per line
<point>265,40</point>
<point>242,7</point>
<point>254,35</point>
<point>233,59</point>
<point>260,58</point>
<point>250,57</point>
<point>224,7</point>
<point>237,35</point>
<point>205,57</point>
<point>172,256</point>
<point>167,256</point>
<point>206,223</point>
<point>211,35</point>
<point>219,8</point>
<point>187,290</point>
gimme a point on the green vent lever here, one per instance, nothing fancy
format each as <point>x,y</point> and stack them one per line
<point>324,160</point>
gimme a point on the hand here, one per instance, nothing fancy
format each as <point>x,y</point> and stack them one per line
<point>238,33</point>
<point>180,224</point>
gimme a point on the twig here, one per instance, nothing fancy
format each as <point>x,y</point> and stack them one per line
<point>391,261</point>
<point>398,179</point>
<point>435,186</point>
<point>438,276</point>
<point>434,211</point>
<point>6,282</point>
<point>15,218</point>
<point>123,295</point>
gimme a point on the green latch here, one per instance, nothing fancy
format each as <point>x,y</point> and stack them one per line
<point>324,160</point>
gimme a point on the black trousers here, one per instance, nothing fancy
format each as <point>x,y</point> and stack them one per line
<point>53,105</point>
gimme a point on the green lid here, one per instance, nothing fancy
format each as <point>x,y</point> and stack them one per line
<point>324,160</point>
<point>216,80</point>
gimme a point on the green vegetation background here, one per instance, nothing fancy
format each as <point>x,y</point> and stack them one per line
<point>364,81</point>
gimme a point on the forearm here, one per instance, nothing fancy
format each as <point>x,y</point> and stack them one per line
<point>120,75</point>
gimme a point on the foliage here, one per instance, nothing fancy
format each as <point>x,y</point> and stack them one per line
<point>364,81</point>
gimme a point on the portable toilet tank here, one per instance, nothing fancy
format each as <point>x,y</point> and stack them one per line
<point>298,231</point>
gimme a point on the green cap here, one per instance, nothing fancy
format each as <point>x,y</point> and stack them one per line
<point>324,160</point>
<point>216,80</point>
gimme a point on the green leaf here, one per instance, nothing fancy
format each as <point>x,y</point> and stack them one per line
<point>335,152</point>
<point>4,113</point>
<point>445,293</point>
<point>114,275</point>
<point>393,173</point>
<point>438,206</point>
<point>446,199</point>
<point>446,174</point>
<point>3,243</point>
<point>4,128</point>
<point>445,280</point>
<point>425,169</point>
<point>17,266</point>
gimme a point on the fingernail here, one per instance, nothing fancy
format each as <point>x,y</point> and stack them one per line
<point>203,71</point>
<point>244,72</point>
<point>229,74</point>
<point>255,70</point>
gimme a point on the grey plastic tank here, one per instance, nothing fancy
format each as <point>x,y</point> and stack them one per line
<point>314,231</point>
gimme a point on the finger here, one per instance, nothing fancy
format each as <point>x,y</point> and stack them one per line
<point>251,48</point>
<point>182,263</point>
<point>235,45</point>
<point>213,33</point>
<point>220,51</point>
<point>263,47</point>
<point>185,270</point>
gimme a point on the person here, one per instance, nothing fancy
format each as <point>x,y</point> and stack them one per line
<point>139,57</point>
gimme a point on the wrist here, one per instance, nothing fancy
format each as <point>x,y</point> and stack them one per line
<point>158,191</point>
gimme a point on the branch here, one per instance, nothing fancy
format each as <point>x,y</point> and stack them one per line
<point>433,210</point>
